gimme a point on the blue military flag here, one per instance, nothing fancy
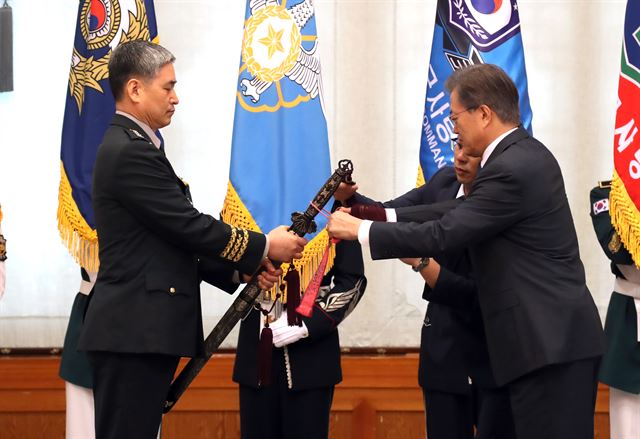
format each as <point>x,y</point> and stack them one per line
<point>467,32</point>
<point>101,26</point>
<point>280,151</point>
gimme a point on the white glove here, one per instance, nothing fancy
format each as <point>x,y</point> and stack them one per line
<point>283,334</point>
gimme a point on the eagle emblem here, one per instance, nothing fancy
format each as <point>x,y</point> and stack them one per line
<point>273,49</point>
<point>330,302</point>
<point>102,26</point>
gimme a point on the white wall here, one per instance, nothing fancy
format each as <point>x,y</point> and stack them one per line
<point>375,55</point>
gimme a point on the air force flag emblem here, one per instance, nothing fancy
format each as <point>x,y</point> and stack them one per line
<point>273,49</point>
<point>280,151</point>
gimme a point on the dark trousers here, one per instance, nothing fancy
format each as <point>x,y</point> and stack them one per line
<point>129,392</point>
<point>494,419</point>
<point>274,412</point>
<point>277,412</point>
<point>452,416</point>
<point>557,401</point>
<point>449,415</point>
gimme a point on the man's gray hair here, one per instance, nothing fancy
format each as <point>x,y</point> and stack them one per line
<point>136,59</point>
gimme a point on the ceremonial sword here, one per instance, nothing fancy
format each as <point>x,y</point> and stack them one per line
<point>301,224</point>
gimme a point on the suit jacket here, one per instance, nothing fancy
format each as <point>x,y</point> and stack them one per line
<point>313,361</point>
<point>151,239</point>
<point>516,222</point>
<point>452,344</point>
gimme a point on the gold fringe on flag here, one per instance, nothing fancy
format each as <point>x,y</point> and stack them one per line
<point>236,213</point>
<point>420,179</point>
<point>77,235</point>
<point>625,217</point>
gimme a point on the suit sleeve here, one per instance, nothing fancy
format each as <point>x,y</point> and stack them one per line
<point>426,212</point>
<point>494,204</point>
<point>451,289</point>
<point>145,185</point>
<point>358,198</point>
<point>335,303</point>
<point>416,196</point>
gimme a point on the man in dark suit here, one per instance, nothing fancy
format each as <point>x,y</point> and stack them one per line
<point>155,248</point>
<point>461,398</point>
<point>543,330</point>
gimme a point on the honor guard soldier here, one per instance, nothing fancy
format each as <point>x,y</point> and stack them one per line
<point>75,369</point>
<point>620,368</point>
<point>305,360</point>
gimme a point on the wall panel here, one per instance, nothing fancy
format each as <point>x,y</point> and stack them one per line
<point>379,398</point>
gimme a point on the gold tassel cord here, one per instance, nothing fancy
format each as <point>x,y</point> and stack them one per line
<point>77,235</point>
<point>235,212</point>
<point>625,217</point>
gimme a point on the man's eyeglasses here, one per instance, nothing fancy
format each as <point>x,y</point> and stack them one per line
<point>454,143</point>
<point>454,116</point>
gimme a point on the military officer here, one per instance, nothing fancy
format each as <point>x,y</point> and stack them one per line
<point>155,248</point>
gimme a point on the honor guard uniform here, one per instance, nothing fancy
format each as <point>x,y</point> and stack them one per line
<point>76,370</point>
<point>305,361</point>
<point>620,368</point>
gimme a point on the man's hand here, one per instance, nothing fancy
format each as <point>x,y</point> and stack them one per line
<point>345,191</point>
<point>267,278</point>
<point>283,334</point>
<point>343,226</point>
<point>284,245</point>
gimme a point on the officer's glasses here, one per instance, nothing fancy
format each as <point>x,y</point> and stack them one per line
<point>454,143</point>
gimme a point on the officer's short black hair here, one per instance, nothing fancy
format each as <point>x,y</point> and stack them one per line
<point>137,58</point>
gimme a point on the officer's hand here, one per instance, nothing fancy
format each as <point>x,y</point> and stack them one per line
<point>284,245</point>
<point>343,226</point>
<point>345,191</point>
<point>268,278</point>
